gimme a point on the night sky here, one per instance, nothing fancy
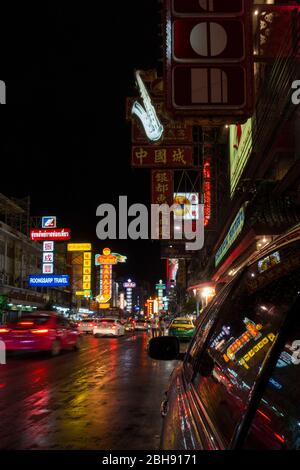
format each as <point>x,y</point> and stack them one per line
<point>64,140</point>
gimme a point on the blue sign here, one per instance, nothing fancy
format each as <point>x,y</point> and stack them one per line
<point>48,280</point>
<point>49,222</point>
<point>234,231</point>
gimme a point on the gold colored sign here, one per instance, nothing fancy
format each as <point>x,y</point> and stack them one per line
<point>79,246</point>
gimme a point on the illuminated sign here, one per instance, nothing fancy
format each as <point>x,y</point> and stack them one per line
<point>234,231</point>
<point>269,261</point>
<point>129,285</point>
<point>56,234</point>
<point>83,293</point>
<point>105,306</point>
<point>188,204</point>
<point>170,156</point>
<point>240,148</point>
<point>253,332</point>
<point>44,280</point>
<point>48,246</point>
<point>120,258</point>
<point>147,114</point>
<point>49,222</point>
<point>105,259</point>
<point>270,338</point>
<point>207,191</point>
<point>160,286</point>
<point>79,247</point>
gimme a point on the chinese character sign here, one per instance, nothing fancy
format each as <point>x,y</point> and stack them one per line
<point>162,186</point>
<point>166,157</point>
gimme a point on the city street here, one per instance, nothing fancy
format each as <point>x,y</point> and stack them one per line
<point>107,396</point>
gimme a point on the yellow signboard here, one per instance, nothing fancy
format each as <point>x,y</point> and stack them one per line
<point>240,148</point>
<point>87,255</point>
<point>79,246</point>
<point>104,306</point>
<point>82,293</point>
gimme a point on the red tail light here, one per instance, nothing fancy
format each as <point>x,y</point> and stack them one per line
<point>113,327</point>
<point>4,330</point>
<point>40,331</point>
<point>25,323</point>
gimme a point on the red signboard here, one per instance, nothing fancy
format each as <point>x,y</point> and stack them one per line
<point>209,59</point>
<point>162,187</point>
<point>207,191</point>
<point>207,6</point>
<point>164,157</point>
<point>174,132</point>
<point>50,234</point>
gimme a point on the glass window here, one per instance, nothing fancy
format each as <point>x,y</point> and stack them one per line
<point>204,328</point>
<point>276,424</point>
<point>246,328</point>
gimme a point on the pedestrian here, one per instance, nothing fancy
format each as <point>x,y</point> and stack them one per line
<point>162,327</point>
<point>154,327</point>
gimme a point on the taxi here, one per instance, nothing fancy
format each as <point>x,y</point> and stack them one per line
<point>182,328</point>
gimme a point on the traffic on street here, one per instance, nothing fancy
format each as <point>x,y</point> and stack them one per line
<point>150,233</point>
<point>104,396</point>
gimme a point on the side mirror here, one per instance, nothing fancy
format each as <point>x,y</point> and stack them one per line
<point>206,365</point>
<point>164,348</point>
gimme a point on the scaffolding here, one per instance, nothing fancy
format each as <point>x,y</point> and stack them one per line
<point>15,213</point>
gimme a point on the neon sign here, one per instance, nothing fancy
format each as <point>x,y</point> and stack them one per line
<point>234,231</point>
<point>207,192</point>
<point>147,114</point>
<point>253,332</point>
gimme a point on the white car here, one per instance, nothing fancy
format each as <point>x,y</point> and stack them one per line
<point>141,325</point>
<point>86,325</point>
<point>109,327</point>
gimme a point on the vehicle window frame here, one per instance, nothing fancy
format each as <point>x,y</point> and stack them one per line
<point>265,376</point>
<point>216,305</point>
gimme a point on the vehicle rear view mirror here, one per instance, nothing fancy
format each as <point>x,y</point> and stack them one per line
<point>164,348</point>
<point>206,365</point>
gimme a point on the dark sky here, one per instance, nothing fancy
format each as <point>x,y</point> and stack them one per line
<point>68,67</point>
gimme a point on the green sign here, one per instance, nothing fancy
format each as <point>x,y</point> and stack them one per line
<point>160,286</point>
<point>234,231</point>
<point>240,148</point>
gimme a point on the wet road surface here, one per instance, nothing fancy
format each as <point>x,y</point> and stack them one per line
<point>106,397</point>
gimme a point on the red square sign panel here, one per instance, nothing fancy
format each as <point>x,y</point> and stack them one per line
<point>208,6</point>
<point>206,39</point>
<point>209,59</point>
<point>210,87</point>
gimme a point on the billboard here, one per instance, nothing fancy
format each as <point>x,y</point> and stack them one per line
<point>55,234</point>
<point>79,247</point>
<point>187,206</point>
<point>48,280</point>
<point>240,148</point>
